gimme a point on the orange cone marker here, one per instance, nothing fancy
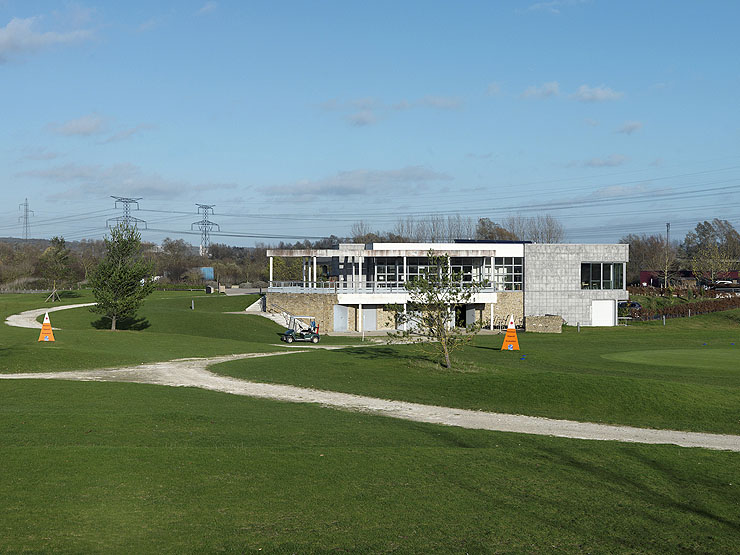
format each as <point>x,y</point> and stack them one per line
<point>511,343</point>
<point>46,333</point>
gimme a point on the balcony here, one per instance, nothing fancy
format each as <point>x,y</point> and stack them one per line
<point>366,288</point>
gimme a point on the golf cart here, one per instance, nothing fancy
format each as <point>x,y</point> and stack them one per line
<point>299,330</point>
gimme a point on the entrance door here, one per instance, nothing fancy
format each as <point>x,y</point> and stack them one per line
<point>604,313</point>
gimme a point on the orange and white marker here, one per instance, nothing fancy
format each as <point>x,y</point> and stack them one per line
<point>511,343</point>
<point>46,333</point>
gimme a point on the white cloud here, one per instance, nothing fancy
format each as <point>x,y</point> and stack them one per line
<point>20,36</point>
<point>39,154</point>
<point>362,118</point>
<point>357,182</point>
<point>615,191</point>
<point>148,25</point>
<point>630,127</point>
<point>126,133</point>
<point>493,88</point>
<point>610,161</point>
<point>553,6</point>
<point>601,93</point>
<point>365,111</point>
<point>89,124</point>
<point>207,8</point>
<point>441,102</point>
<point>122,179</point>
<point>551,88</point>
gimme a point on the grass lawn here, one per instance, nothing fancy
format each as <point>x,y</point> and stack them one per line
<point>105,467</point>
<point>682,376</point>
<point>108,467</point>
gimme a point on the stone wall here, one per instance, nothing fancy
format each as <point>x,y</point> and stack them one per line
<point>544,324</point>
<point>508,303</point>
<point>318,305</point>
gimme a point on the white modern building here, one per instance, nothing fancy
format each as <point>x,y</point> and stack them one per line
<point>346,288</point>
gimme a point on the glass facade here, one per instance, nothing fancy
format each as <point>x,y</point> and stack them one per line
<point>602,275</point>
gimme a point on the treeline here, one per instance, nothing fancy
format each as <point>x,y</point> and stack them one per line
<point>709,251</point>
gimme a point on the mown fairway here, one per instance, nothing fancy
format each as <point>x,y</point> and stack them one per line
<point>106,467</point>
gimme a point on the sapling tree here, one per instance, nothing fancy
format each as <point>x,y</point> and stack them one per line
<point>122,279</point>
<point>429,318</point>
<point>55,265</point>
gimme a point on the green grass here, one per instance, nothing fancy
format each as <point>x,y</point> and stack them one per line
<point>605,375</point>
<point>108,467</point>
<point>103,467</point>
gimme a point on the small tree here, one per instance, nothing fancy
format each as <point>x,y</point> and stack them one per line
<point>122,280</point>
<point>430,313</point>
<point>55,265</point>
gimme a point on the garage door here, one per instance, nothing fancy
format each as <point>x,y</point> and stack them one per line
<point>604,313</point>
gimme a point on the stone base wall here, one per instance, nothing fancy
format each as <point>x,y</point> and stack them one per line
<point>386,319</point>
<point>318,305</point>
<point>508,302</point>
<point>544,324</point>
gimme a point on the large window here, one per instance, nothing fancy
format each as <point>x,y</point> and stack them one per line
<point>508,273</point>
<point>388,269</point>
<point>602,275</point>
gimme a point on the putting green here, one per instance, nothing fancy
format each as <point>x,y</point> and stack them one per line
<point>700,357</point>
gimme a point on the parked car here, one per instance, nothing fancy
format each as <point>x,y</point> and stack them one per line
<point>631,305</point>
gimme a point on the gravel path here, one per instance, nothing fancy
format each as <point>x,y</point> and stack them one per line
<point>27,319</point>
<point>193,372</point>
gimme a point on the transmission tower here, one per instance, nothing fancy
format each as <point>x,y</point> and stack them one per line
<point>205,226</point>
<point>24,219</point>
<point>127,219</point>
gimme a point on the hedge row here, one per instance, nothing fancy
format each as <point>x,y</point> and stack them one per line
<point>681,310</point>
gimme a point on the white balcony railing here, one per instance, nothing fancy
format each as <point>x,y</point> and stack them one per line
<point>368,287</point>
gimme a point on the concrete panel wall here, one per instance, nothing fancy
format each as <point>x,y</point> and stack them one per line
<point>552,279</point>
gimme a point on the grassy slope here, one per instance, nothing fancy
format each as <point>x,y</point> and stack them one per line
<point>166,329</point>
<point>635,375</point>
<point>101,467</point>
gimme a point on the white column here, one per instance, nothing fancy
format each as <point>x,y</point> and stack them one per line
<point>303,268</point>
<point>354,281</point>
<point>270,282</point>
<point>314,272</point>
<point>405,270</point>
<point>491,278</point>
<point>360,271</point>
<point>359,317</point>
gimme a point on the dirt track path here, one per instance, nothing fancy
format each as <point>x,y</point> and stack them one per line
<point>27,319</point>
<point>193,373</point>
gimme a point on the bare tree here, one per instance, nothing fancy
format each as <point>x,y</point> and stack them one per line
<point>539,229</point>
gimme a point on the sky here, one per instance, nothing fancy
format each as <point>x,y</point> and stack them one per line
<point>297,119</point>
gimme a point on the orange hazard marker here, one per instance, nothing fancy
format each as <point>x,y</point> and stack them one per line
<point>511,343</point>
<point>46,333</point>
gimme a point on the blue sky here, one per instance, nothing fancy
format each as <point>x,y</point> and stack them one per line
<point>296,119</point>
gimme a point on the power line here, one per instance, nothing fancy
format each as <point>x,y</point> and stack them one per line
<point>127,218</point>
<point>24,219</point>
<point>205,226</point>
